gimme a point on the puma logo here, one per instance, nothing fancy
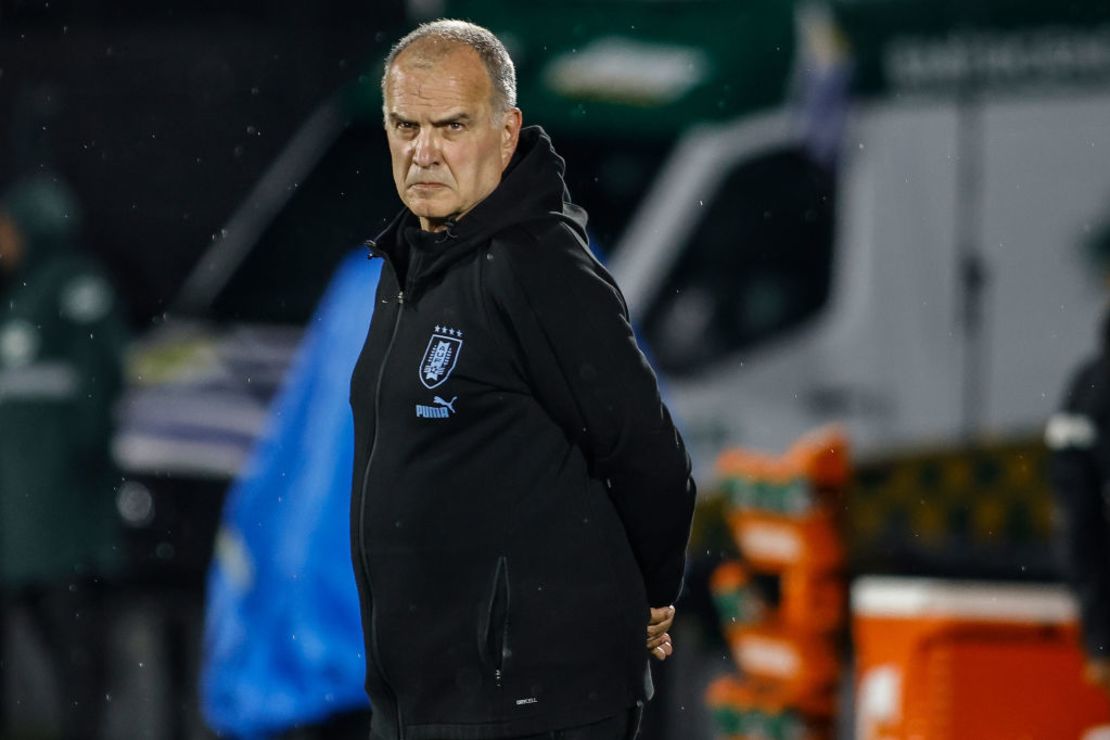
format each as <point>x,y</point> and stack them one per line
<point>441,410</point>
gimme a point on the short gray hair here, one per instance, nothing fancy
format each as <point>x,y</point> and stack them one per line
<point>450,33</point>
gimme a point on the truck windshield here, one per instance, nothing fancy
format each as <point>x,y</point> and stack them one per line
<point>757,265</point>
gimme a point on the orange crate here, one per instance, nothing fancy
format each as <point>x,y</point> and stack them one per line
<point>772,543</point>
<point>744,709</point>
<point>802,667</point>
<point>812,602</point>
<point>738,602</point>
<point>939,660</point>
<point>821,456</point>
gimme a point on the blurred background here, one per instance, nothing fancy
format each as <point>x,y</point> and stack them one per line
<point>890,216</point>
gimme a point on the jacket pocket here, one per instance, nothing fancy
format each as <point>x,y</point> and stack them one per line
<point>494,637</point>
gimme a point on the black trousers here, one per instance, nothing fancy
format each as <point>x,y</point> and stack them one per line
<point>624,726</point>
<point>621,727</point>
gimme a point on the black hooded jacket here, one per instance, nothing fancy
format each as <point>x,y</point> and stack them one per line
<point>1078,438</point>
<point>520,493</point>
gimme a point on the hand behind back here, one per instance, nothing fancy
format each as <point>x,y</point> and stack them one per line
<point>658,639</point>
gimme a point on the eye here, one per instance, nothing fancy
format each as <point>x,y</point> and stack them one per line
<point>456,126</point>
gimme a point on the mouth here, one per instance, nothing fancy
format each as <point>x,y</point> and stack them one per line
<point>427,185</point>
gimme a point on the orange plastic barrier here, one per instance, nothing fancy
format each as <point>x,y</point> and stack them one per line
<point>814,602</point>
<point>781,512</point>
<point>820,457</point>
<point>940,660</point>
<point>802,667</point>
<point>747,709</point>
<point>738,602</point>
<point>772,543</point>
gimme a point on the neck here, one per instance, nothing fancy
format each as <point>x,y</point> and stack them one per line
<point>435,224</point>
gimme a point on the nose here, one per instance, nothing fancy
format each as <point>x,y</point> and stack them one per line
<point>425,148</point>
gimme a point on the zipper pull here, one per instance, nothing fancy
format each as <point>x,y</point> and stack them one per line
<point>401,298</point>
<point>497,677</point>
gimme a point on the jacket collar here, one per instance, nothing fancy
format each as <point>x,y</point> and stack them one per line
<point>531,188</point>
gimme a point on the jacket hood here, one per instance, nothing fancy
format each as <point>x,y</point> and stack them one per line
<point>531,188</point>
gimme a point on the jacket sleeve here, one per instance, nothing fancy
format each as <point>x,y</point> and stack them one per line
<point>1076,474</point>
<point>570,323</point>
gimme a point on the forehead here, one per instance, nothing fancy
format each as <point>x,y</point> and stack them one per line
<point>422,82</point>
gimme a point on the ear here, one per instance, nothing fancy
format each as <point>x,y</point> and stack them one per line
<point>510,134</point>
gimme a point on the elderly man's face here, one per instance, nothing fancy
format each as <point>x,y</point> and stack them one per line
<point>448,147</point>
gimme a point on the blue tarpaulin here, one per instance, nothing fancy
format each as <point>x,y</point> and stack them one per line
<point>283,640</point>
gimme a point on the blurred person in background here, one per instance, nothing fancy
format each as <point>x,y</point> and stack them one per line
<point>521,498</point>
<point>61,343</point>
<point>1078,439</point>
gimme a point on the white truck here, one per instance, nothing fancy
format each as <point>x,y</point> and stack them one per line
<point>951,291</point>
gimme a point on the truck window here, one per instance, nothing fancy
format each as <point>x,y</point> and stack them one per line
<point>757,265</point>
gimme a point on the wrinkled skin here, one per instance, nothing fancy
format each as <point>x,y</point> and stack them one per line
<point>448,144</point>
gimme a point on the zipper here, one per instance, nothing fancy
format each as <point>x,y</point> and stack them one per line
<point>499,619</point>
<point>499,673</point>
<point>362,514</point>
<point>504,639</point>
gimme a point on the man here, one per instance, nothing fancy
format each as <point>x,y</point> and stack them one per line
<point>521,499</point>
<point>61,348</point>
<point>1079,467</point>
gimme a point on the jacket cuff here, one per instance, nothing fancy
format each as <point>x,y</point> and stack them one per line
<point>664,587</point>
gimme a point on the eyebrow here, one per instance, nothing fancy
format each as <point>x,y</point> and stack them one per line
<point>456,118</point>
<point>445,121</point>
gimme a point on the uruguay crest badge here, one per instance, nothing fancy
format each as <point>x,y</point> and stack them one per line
<point>440,357</point>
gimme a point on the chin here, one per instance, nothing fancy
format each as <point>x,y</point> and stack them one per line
<point>428,202</point>
<point>436,212</point>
